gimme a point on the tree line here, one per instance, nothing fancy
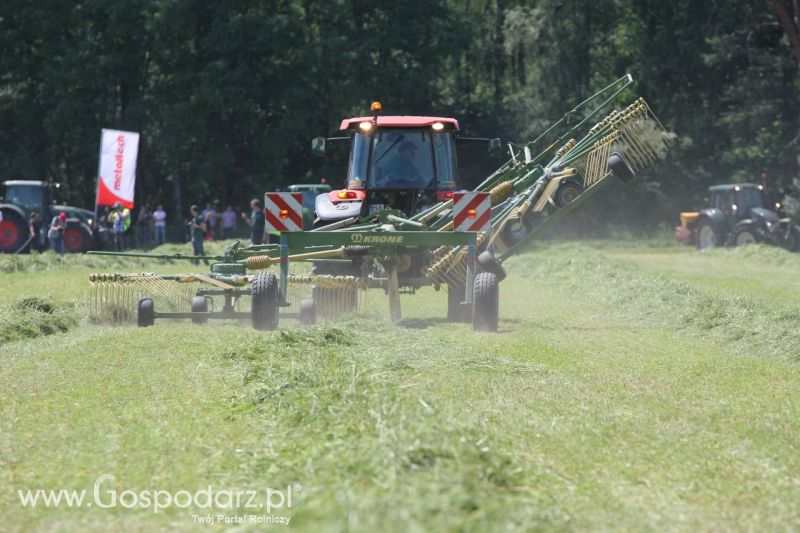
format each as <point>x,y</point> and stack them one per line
<point>227,95</point>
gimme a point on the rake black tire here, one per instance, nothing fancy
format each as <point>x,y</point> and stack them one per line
<point>308,312</point>
<point>618,166</point>
<point>455,311</point>
<point>488,263</point>
<point>145,313</point>
<point>199,305</point>
<point>264,301</point>
<point>567,192</point>
<point>486,303</point>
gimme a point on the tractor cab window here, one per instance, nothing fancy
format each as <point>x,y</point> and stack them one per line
<point>359,159</point>
<point>723,200</point>
<point>402,158</point>
<point>444,151</point>
<point>27,197</point>
<point>748,198</point>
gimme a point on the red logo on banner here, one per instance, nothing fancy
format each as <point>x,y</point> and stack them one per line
<point>283,211</point>
<point>472,211</point>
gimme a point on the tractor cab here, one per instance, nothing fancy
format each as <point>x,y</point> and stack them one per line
<point>30,196</point>
<point>407,163</point>
<point>737,201</point>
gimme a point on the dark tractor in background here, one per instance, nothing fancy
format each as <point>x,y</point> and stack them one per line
<point>21,198</point>
<point>737,217</point>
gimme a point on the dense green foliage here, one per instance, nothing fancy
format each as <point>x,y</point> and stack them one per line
<point>228,94</point>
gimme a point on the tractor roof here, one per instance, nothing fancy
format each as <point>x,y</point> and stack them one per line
<point>28,183</point>
<point>309,186</point>
<point>730,186</point>
<point>400,122</point>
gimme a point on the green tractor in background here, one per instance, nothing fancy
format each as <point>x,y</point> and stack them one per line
<point>21,198</point>
<point>737,216</point>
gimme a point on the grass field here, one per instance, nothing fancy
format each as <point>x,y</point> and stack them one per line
<point>632,386</point>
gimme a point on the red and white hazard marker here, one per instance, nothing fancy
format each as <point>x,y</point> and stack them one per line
<point>472,211</point>
<point>283,211</point>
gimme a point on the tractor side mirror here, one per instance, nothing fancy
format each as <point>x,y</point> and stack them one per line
<point>318,146</point>
<point>496,148</point>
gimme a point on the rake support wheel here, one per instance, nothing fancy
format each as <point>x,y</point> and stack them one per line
<point>486,303</point>
<point>264,292</point>
<point>146,314</point>
<point>199,305</point>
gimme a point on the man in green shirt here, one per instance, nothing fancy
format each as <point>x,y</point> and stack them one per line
<point>199,227</point>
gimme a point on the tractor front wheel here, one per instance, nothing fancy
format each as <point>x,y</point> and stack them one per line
<point>146,315</point>
<point>77,239</point>
<point>264,293</point>
<point>486,303</point>
<point>744,234</point>
<point>199,305</point>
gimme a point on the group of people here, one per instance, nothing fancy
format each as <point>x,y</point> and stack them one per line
<point>150,227</point>
<point>55,232</point>
<point>202,224</point>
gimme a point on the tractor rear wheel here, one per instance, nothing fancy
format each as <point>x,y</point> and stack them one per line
<point>567,192</point>
<point>146,315</point>
<point>707,236</point>
<point>13,232</point>
<point>308,312</point>
<point>486,303</point>
<point>199,305</point>
<point>744,234</point>
<point>455,295</point>
<point>264,301</point>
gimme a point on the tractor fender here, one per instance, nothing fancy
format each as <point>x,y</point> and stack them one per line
<point>327,210</point>
<point>11,210</point>
<point>717,218</point>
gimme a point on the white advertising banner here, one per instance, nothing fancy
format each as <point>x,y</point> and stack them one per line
<point>117,168</point>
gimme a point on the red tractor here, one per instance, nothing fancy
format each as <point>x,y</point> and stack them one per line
<point>405,163</point>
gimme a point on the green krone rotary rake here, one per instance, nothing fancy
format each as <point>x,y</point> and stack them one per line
<point>387,231</point>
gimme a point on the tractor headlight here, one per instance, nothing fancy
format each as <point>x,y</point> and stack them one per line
<point>365,126</point>
<point>437,126</point>
<point>734,207</point>
<point>777,205</point>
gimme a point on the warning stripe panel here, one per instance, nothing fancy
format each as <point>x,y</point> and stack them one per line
<point>477,203</point>
<point>291,203</point>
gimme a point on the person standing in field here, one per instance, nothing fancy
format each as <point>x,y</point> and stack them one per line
<point>255,221</point>
<point>199,226</point>
<point>160,225</point>
<point>35,231</point>
<point>143,227</point>
<point>56,233</point>
<point>210,214</point>
<point>120,220</point>
<point>228,223</point>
